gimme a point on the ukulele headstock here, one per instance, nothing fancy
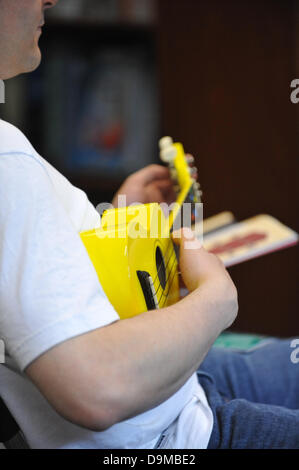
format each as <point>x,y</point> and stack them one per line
<point>183,172</point>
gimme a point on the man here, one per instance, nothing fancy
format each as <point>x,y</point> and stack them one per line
<point>78,377</point>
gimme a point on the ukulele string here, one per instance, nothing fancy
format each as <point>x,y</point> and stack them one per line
<point>173,265</point>
<point>170,284</point>
<point>168,276</point>
<point>170,244</point>
<point>163,266</point>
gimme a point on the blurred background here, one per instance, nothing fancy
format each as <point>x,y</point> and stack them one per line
<point>117,75</point>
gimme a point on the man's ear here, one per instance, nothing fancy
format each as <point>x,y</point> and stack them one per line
<point>49,4</point>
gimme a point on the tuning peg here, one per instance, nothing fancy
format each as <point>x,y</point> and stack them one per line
<point>198,195</point>
<point>193,172</point>
<point>189,159</point>
<point>168,154</point>
<point>165,142</point>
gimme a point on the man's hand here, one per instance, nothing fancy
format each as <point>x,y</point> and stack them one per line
<point>151,184</point>
<point>204,272</point>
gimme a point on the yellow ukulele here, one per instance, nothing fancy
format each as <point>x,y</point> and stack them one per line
<point>132,251</point>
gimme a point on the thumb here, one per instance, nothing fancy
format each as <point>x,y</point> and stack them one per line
<point>185,238</point>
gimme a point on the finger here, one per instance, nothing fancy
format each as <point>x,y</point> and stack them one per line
<point>153,172</point>
<point>162,181</point>
<point>169,195</point>
<point>163,185</point>
<point>161,191</point>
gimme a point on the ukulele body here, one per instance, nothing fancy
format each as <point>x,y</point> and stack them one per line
<point>134,258</point>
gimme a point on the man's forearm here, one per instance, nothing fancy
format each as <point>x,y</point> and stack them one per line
<point>154,354</point>
<point>121,370</point>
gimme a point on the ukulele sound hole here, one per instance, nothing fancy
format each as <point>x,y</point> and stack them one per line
<point>161,268</point>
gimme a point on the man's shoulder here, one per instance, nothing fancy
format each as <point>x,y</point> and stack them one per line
<point>12,140</point>
<point>19,162</point>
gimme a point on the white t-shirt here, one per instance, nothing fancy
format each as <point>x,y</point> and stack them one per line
<point>49,293</point>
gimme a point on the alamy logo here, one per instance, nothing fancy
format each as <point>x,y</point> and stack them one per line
<point>2,92</point>
<point>295,353</point>
<point>147,221</point>
<point>2,351</point>
<point>295,93</point>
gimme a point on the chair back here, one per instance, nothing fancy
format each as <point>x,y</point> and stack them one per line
<point>10,434</point>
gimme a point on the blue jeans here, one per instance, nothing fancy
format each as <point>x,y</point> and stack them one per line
<point>254,396</point>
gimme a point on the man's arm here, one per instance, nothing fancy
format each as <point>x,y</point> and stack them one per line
<point>123,369</point>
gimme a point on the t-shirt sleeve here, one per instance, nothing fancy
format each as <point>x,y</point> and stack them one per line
<point>49,290</point>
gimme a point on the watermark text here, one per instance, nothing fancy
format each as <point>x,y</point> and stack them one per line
<point>2,92</point>
<point>152,221</point>
<point>295,93</point>
<point>295,354</point>
<point>2,351</point>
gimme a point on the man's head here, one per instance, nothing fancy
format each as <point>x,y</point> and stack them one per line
<point>20,29</point>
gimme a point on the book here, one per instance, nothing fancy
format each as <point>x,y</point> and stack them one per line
<point>237,242</point>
